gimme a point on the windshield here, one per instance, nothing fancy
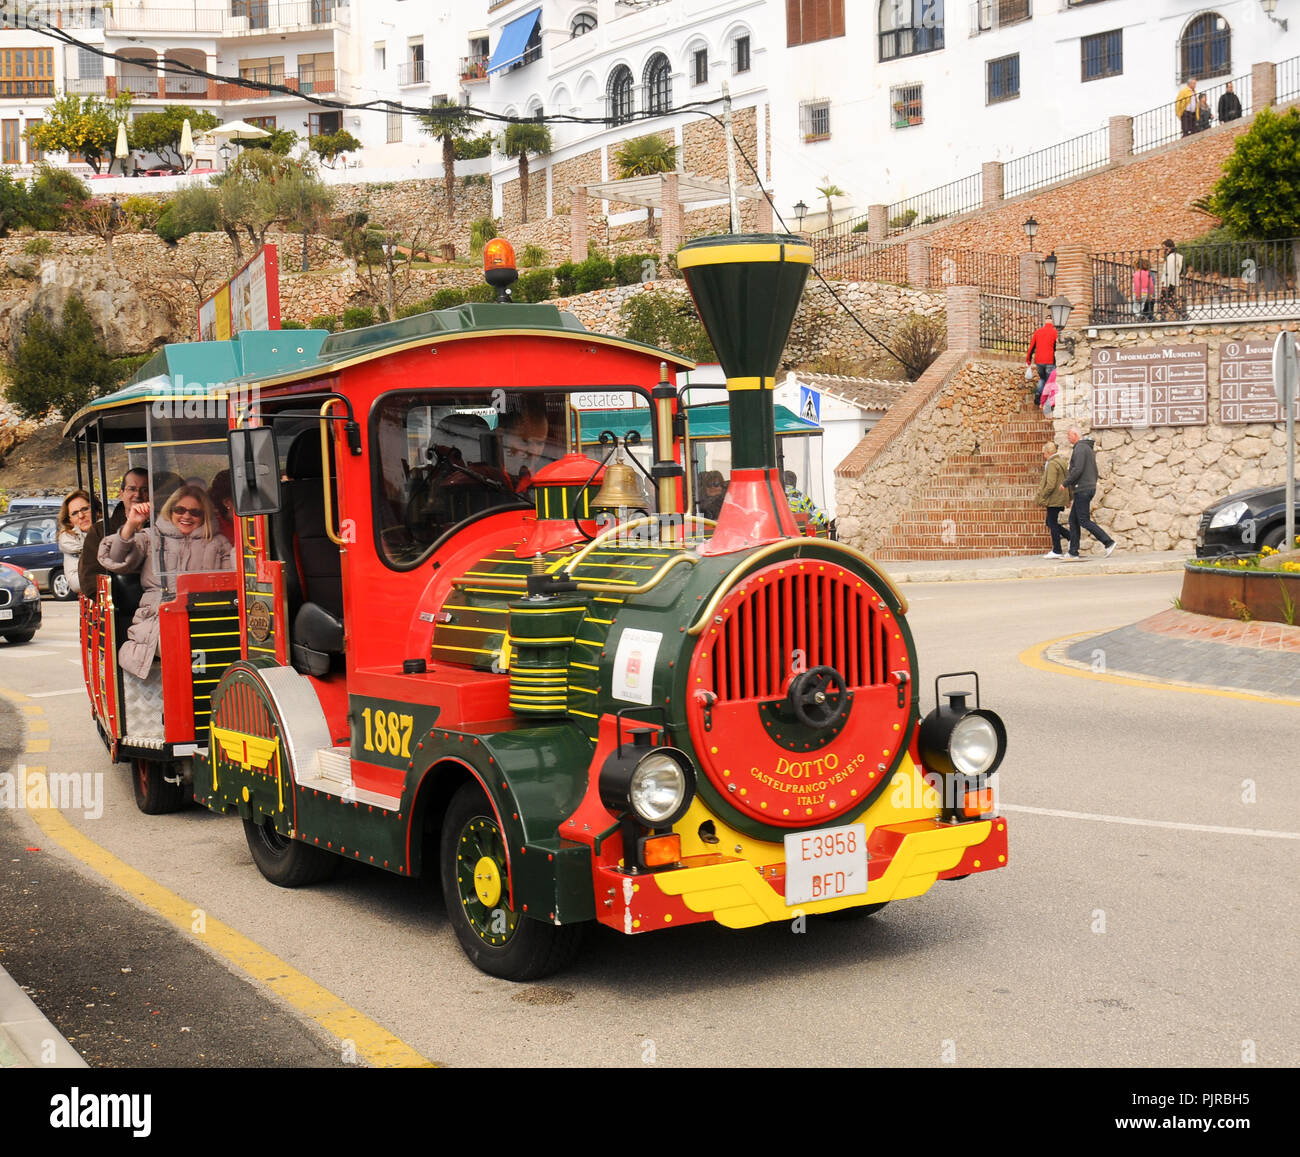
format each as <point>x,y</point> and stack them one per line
<point>444,457</point>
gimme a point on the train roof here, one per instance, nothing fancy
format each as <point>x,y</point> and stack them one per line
<point>182,370</point>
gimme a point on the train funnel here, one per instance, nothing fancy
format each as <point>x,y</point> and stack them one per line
<point>747,289</point>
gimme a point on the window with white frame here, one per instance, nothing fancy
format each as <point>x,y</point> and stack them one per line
<point>905,105</point>
<point>740,55</point>
<point>394,127</point>
<point>1002,79</point>
<point>700,66</point>
<point>815,120</point>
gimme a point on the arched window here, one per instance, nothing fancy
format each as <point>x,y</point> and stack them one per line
<point>910,27</point>
<point>583,23</point>
<point>619,95</point>
<point>658,84</point>
<point>1205,48</point>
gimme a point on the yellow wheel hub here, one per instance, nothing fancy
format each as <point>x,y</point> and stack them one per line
<point>487,882</point>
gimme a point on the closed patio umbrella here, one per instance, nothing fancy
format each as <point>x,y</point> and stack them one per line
<point>122,150</point>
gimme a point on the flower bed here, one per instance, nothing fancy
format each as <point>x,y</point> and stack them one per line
<point>1241,588</point>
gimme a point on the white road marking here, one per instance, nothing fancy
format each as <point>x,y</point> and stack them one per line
<point>1048,811</point>
<point>47,694</point>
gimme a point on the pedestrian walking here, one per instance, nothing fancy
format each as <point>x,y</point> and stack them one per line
<point>1171,280</point>
<point>1204,118</point>
<point>1053,495</point>
<point>1081,482</point>
<point>1185,107</point>
<point>1042,354</point>
<point>1229,105</point>
<point>1144,289</point>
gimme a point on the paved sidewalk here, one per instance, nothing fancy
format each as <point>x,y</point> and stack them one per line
<point>1034,566</point>
<point>27,1039</point>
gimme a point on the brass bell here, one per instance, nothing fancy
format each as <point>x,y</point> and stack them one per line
<point>622,488</point>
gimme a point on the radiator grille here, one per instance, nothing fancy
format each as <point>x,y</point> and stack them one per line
<point>795,621</point>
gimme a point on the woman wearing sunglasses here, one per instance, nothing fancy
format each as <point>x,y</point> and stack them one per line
<point>189,541</point>
<point>75,518</point>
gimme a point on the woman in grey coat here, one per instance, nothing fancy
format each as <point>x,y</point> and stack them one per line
<point>189,541</point>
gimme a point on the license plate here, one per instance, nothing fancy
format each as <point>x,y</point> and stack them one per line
<point>6,614</point>
<point>826,863</point>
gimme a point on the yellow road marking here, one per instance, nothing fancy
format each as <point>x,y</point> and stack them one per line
<point>373,1042</point>
<point>1035,657</point>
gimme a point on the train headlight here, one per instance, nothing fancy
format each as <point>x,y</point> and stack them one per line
<point>654,784</point>
<point>956,739</point>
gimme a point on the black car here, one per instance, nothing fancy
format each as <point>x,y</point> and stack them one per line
<point>20,604</point>
<point>1244,522</point>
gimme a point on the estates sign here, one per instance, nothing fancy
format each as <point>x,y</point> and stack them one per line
<point>1135,387</point>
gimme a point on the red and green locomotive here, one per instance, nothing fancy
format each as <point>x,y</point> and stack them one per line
<point>462,645</point>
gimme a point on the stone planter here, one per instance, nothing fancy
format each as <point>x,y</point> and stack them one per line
<point>1207,591</point>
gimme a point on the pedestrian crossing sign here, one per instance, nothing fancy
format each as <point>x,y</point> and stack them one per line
<point>810,404</point>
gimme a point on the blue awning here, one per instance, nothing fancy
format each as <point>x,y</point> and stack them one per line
<point>514,40</point>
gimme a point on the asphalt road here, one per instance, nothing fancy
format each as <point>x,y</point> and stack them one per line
<point>1159,934</point>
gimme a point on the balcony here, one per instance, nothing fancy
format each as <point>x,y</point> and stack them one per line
<point>990,15</point>
<point>197,88</point>
<point>412,72</point>
<point>252,18</point>
<point>316,83</point>
<point>473,68</point>
<point>26,87</point>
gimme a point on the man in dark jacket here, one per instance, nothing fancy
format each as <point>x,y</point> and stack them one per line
<point>1081,482</point>
<point>1229,105</point>
<point>135,488</point>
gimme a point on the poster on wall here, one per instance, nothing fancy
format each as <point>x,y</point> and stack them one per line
<point>1246,391</point>
<point>1143,386</point>
<point>249,300</point>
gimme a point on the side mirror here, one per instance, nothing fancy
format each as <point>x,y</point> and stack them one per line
<point>254,471</point>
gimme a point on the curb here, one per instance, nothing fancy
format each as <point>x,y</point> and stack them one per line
<point>27,1039</point>
<point>992,569</point>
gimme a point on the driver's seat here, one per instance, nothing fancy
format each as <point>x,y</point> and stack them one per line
<point>313,576</point>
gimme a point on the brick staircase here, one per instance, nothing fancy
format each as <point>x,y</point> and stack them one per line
<point>980,505</point>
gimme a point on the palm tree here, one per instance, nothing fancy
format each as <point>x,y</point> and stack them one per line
<point>449,123</point>
<point>643,157</point>
<point>520,140</point>
<point>829,190</point>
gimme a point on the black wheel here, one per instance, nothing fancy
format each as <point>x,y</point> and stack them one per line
<point>59,586</point>
<point>159,788</point>
<point>854,913</point>
<point>286,862</point>
<point>475,885</point>
<point>20,636</point>
<point>1275,537</point>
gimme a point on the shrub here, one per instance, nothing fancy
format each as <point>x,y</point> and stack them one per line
<point>472,148</point>
<point>481,232</point>
<point>447,298</point>
<point>59,366</point>
<point>631,267</point>
<point>903,220</point>
<point>195,210</point>
<point>917,342</point>
<point>13,202</point>
<point>535,286</point>
<point>56,198</point>
<point>142,212</point>
<point>481,293</point>
<point>327,321</point>
<point>37,246</point>
<point>594,273</point>
<point>287,323</point>
<point>861,226</point>
<point>564,279</point>
<point>668,321</point>
<point>358,316</point>
<point>533,257</point>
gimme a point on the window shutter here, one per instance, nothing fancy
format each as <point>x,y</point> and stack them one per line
<point>837,17</point>
<point>793,23</point>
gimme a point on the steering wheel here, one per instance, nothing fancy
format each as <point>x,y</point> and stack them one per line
<point>816,697</point>
<point>442,465</point>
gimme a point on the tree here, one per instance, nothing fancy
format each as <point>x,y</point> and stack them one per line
<point>669,321</point>
<point>55,198</point>
<point>85,125</point>
<point>303,202</point>
<point>829,190</point>
<point>13,202</point>
<point>160,132</point>
<point>643,157</point>
<point>330,146</point>
<point>251,194</point>
<point>449,123</point>
<point>280,142</point>
<point>1258,196</point>
<point>59,366</point>
<point>385,267</point>
<point>105,219</point>
<point>520,140</point>
<point>196,209</point>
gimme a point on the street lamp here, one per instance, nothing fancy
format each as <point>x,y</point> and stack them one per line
<point>800,212</point>
<point>225,153</point>
<point>1060,308</point>
<point>1049,267</point>
<point>1270,6</point>
<point>1031,230</point>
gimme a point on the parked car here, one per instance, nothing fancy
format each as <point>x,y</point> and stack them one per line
<point>20,604</point>
<point>1244,522</point>
<point>32,544</point>
<point>26,507</point>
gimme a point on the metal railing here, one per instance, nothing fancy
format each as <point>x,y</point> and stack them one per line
<point>1288,79</point>
<point>1058,162</point>
<point>1211,283</point>
<point>1008,323</point>
<point>960,196</point>
<point>20,88</point>
<point>854,258</point>
<point>992,272</point>
<point>1161,125</point>
<point>412,72</point>
<point>473,67</point>
<point>250,16</point>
